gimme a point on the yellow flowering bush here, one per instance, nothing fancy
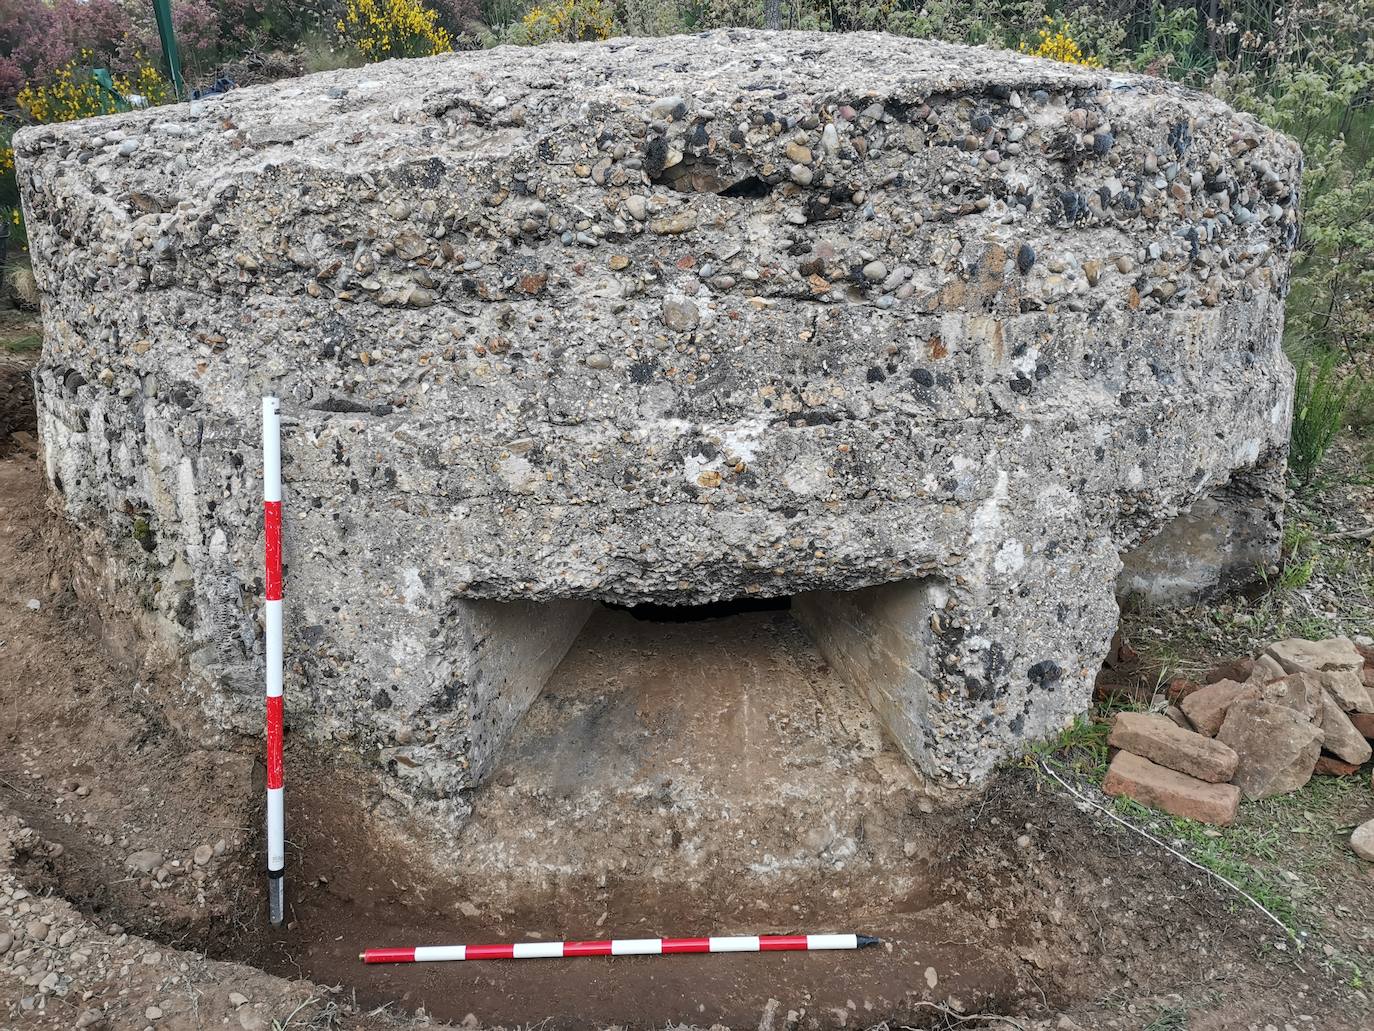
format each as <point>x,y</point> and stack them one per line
<point>569,20</point>
<point>1055,41</point>
<point>379,29</point>
<point>73,92</point>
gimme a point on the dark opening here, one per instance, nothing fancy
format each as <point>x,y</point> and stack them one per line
<point>750,188</point>
<point>695,613</point>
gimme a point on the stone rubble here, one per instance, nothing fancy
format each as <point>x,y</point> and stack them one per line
<point>1278,747</point>
<point>1296,712</point>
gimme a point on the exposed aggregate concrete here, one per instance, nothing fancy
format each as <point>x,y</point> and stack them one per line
<point>664,320</point>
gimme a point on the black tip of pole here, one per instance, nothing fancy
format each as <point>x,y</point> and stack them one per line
<point>867,939</point>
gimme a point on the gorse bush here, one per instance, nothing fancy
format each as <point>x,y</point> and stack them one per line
<point>381,29</point>
<point>1055,41</point>
<point>570,20</point>
<point>74,92</point>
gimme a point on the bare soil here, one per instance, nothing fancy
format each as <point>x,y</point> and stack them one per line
<point>674,778</point>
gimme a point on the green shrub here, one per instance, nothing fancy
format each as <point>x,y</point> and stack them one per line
<point>1321,398</point>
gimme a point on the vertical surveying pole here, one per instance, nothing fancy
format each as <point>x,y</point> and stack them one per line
<point>271,519</point>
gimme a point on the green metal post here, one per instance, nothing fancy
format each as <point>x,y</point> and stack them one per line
<point>162,10</point>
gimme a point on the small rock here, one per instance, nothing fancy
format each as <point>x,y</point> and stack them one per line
<point>1301,692</point>
<point>1363,722</point>
<point>153,1012</point>
<point>145,861</point>
<point>89,1018</point>
<point>6,940</point>
<point>1180,688</point>
<point>1330,766</point>
<point>769,1015</point>
<point>127,148</point>
<point>637,207</point>
<point>1174,792</point>
<point>237,999</point>
<point>1206,708</point>
<point>1179,718</point>
<point>875,271</point>
<point>932,977</point>
<point>1362,841</point>
<point>1277,747</point>
<point>1337,661</point>
<point>1024,841</point>
<point>203,854</point>
<point>598,361</point>
<point>1238,670</point>
<point>1340,737</point>
<point>680,314</point>
<point>1265,669</point>
<point>1025,258</point>
<point>251,1021</point>
<point>37,930</point>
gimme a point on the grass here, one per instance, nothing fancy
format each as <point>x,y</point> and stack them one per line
<point>1280,850</point>
<point>1321,398</point>
<point>1170,1018</point>
<point>1081,747</point>
<point>1241,854</point>
<point>19,344</point>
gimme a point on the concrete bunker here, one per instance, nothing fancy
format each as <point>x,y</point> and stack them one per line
<point>925,337</point>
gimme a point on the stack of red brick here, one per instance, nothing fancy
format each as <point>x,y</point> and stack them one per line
<point>1258,727</point>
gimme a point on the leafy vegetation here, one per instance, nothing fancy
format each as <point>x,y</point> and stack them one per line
<point>1321,398</point>
<point>381,29</point>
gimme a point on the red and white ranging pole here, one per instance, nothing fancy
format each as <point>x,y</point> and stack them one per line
<point>621,947</point>
<point>271,519</point>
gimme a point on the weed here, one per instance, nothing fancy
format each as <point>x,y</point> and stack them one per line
<point>1171,1018</point>
<point>1081,747</point>
<point>1320,400</point>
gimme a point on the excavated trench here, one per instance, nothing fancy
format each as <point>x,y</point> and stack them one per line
<point>684,771</point>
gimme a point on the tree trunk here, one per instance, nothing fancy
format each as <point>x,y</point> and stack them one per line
<point>772,14</point>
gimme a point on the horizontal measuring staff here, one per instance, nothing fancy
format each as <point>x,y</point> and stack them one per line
<point>620,947</point>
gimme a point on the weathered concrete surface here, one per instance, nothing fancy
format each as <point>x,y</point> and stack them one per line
<point>1221,544</point>
<point>668,320</point>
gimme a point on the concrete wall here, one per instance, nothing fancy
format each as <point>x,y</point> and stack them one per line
<point>669,321</point>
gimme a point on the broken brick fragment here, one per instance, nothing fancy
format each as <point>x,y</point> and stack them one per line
<point>1330,766</point>
<point>1158,739</point>
<point>1180,688</point>
<point>1177,793</point>
<point>1238,670</point>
